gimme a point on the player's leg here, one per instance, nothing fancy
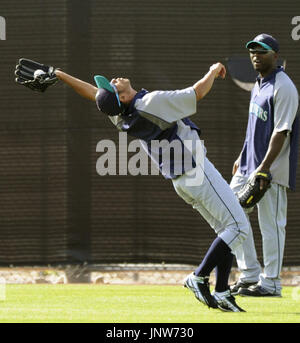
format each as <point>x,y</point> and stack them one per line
<point>272,214</point>
<point>217,204</point>
<point>220,253</point>
<point>245,254</point>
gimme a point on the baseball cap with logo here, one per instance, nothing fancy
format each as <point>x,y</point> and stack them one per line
<point>107,98</point>
<point>264,40</point>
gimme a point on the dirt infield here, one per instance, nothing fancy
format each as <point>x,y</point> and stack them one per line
<point>119,274</point>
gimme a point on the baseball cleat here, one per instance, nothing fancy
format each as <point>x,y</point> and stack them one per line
<point>226,302</point>
<point>235,288</point>
<point>200,287</point>
<point>257,291</point>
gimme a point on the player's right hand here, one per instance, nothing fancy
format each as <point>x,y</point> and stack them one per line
<point>219,70</point>
<point>236,164</point>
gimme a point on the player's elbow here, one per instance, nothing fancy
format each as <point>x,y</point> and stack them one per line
<point>200,93</point>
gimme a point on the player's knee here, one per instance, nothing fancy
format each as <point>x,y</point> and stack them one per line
<point>238,234</point>
<point>243,228</point>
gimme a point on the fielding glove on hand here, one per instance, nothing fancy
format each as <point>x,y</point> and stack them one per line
<point>251,193</point>
<point>34,75</point>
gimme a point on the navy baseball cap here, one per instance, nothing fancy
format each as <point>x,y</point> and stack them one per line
<point>107,98</point>
<point>264,40</point>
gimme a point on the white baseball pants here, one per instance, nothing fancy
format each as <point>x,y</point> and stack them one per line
<point>216,202</point>
<point>272,214</point>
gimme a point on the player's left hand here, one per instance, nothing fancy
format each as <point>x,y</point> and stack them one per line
<point>34,75</point>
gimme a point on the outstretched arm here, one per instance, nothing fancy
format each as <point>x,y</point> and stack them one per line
<point>84,89</point>
<point>203,86</point>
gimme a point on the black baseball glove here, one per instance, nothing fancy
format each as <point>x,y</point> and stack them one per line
<point>252,192</point>
<point>34,75</point>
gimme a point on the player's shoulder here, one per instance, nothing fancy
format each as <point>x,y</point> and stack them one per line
<point>161,96</point>
<point>187,90</point>
<point>284,84</point>
<point>284,80</point>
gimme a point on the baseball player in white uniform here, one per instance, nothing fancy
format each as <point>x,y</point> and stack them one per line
<point>163,115</point>
<point>270,146</point>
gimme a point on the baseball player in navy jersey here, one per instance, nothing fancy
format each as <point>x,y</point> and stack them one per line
<point>270,146</point>
<point>163,115</point>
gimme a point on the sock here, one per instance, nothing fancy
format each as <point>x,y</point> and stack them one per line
<point>217,252</point>
<point>222,273</point>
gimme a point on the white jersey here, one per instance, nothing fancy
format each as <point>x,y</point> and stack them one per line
<point>159,120</point>
<point>273,107</point>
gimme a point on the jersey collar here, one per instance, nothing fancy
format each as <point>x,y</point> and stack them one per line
<point>262,80</point>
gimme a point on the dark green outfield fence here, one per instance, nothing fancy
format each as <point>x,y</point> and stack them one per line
<point>54,207</point>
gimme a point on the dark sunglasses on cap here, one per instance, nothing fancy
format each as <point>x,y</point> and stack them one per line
<point>259,51</point>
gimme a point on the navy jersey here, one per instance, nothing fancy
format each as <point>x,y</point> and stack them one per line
<point>273,106</point>
<point>161,116</point>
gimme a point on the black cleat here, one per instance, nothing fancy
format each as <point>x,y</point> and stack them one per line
<point>226,302</point>
<point>235,288</point>
<point>200,287</point>
<point>257,291</point>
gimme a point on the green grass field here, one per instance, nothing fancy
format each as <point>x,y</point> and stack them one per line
<point>134,304</point>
